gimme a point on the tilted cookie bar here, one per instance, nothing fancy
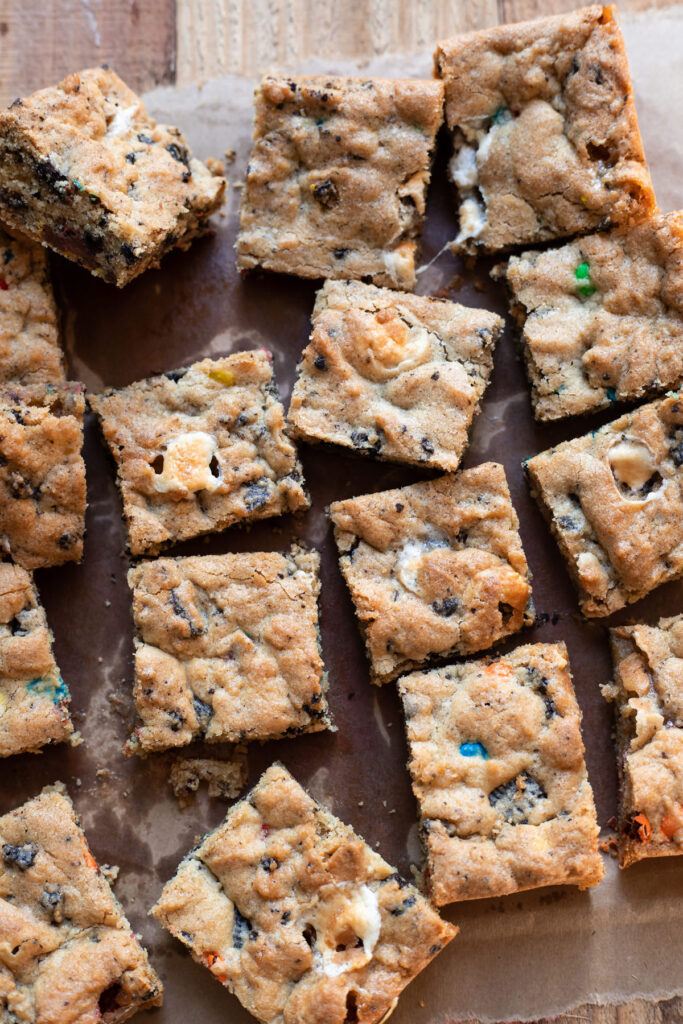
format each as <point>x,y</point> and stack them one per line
<point>297,915</point>
<point>200,448</point>
<point>648,695</point>
<point>497,763</point>
<point>34,700</point>
<point>545,134</point>
<point>85,170</point>
<point>601,318</point>
<point>614,502</point>
<point>227,648</point>
<point>29,335</point>
<point>68,952</point>
<point>42,474</point>
<point>393,375</point>
<point>434,569</point>
<point>337,179</point>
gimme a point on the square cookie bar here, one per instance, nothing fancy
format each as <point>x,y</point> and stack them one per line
<point>42,474</point>
<point>545,134</point>
<point>434,569</point>
<point>338,175</point>
<point>73,956</point>
<point>29,345</point>
<point>393,375</point>
<point>614,503</point>
<point>496,758</point>
<point>648,694</point>
<point>227,648</point>
<point>295,914</point>
<point>200,448</point>
<point>86,170</point>
<point>34,701</point>
<point>601,318</point>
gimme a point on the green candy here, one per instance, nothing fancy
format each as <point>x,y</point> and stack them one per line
<point>582,275</point>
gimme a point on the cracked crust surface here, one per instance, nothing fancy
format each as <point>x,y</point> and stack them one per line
<point>601,318</point>
<point>227,648</point>
<point>648,694</point>
<point>67,952</point>
<point>200,449</point>
<point>497,763</point>
<point>295,914</point>
<point>42,474</point>
<point>434,569</point>
<point>34,701</point>
<point>29,335</point>
<point>338,175</point>
<point>394,375</point>
<point>615,504</point>
<point>546,139</point>
<point>87,171</point>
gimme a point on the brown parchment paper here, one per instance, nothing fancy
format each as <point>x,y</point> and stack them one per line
<point>519,957</point>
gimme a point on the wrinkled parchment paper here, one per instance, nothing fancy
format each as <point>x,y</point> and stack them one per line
<point>519,957</point>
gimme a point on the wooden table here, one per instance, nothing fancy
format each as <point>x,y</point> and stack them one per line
<point>154,42</point>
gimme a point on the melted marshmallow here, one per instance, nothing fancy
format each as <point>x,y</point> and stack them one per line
<point>187,464</point>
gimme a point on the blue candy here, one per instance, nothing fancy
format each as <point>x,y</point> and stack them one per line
<point>474,750</point>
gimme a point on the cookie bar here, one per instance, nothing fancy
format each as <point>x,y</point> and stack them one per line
<point>86,170</point>
<point>434,569</point>
<point>601,318</point>
<point>69,954</point>
<point>614,503</point>
<point>295,914</point>
<point>34,701</point>
<point>225,779</point>
<point>29,345</point>
<point>42,474</point>
<point>496,759</point>
<point>545,134</point>
<point>227,648</point>
<point>200,448</point>
<point>648,694</point>
<point>393,375</point>
<point>338,175</point>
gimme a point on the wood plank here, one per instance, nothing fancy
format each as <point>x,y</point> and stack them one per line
<point>251,36</point>
<point>521,10</point>
<point>40,41</point>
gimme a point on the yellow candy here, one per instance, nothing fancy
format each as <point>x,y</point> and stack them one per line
<point>225,377</point>
<point>4,701</point>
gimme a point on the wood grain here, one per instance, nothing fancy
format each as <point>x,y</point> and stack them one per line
<point>230,36</point>
<point>520,10</point>
<point>43,40</point>
<point>164,41</point>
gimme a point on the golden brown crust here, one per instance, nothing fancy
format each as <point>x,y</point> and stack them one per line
<point>614,500</point>
<point>227,648</point>
<point>296,915</point>
<point>434,569</point>
<point>338,175</point>
<point>648,693</point>
<point>42,474</point>
<point>496,758</point>
<point>601,318</point>
<point>199,449</point>
<point>545,130</point>
<point>29,337</point>
<point>86,170</point>
<point>394,375</point>
<point>34,701</point>
<point>67,952</point>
